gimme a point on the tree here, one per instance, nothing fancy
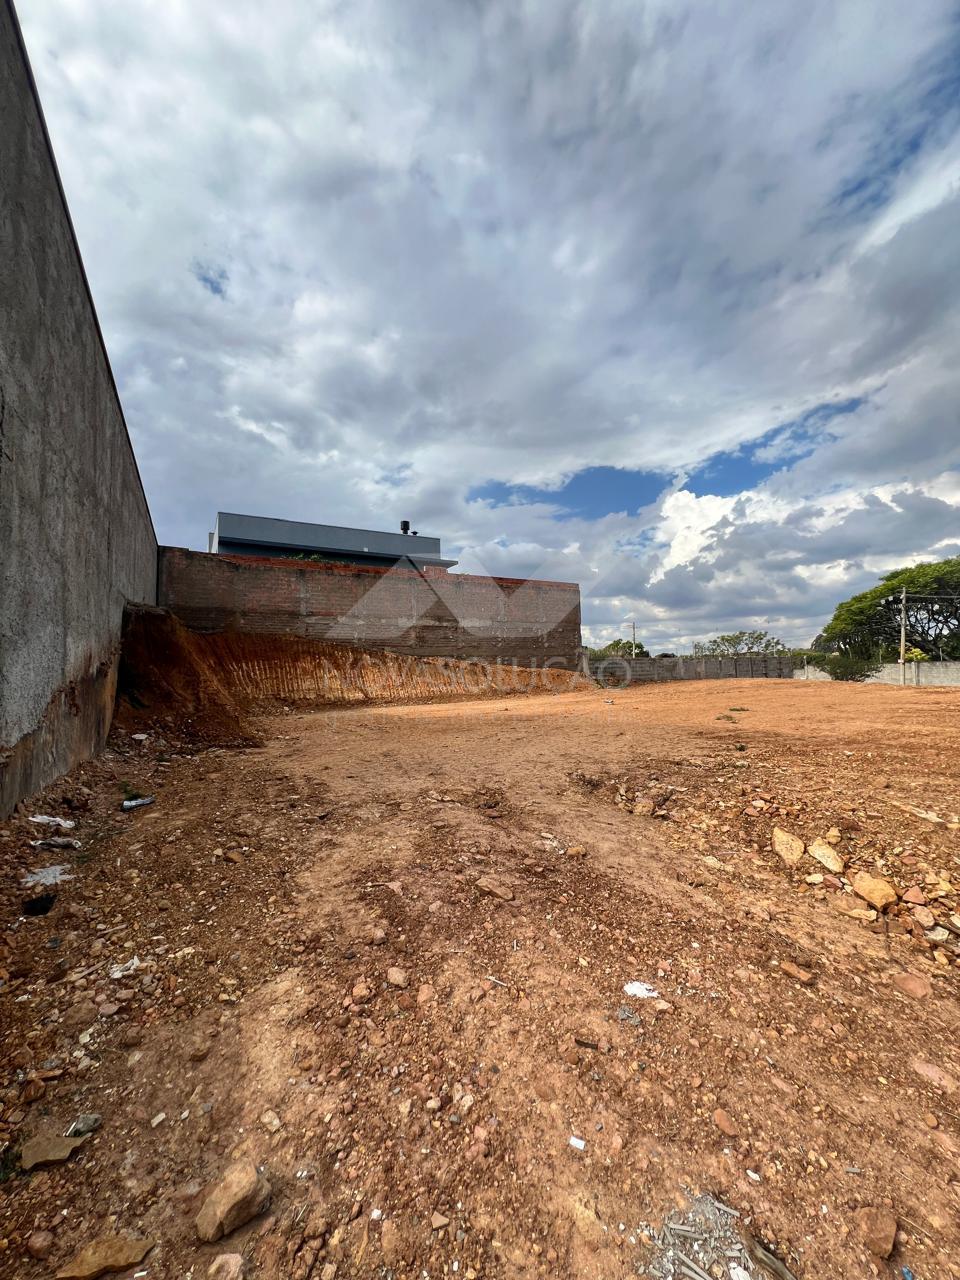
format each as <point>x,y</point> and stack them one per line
<point>868,624</point>
<point>728,646</point>
<point>619,648</point>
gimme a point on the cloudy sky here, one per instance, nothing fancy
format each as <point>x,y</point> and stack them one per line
<point>655,296</point>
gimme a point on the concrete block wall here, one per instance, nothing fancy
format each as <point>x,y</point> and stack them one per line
<point>76,539</point>
<point>430,614</point>
<point>942,675</point>
<point>621,671</point>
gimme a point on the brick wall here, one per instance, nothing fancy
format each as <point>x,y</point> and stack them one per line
<point>429,614</point>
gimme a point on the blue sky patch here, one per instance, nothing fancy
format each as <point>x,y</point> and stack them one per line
<point>214,279</point>
<point>727,474</point>
<point>590,494</point>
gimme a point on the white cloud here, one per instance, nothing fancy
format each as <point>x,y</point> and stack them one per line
<point>445,245</point>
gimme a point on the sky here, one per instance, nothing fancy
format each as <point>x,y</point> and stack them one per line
<point>657,297</point>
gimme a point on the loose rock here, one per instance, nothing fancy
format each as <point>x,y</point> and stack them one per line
<point>240,1195</point>
<point>827,856</point>
<point>489,884</point>
<point>40,1245</point>
<point>877,1228</point>
<point>725,1123</point>
<point>803,976</point>
<point>229,1266</point>
<point>108,1253</point>
<point>398,977</point>
<point>913,985</point>
<point>39,1152</point>
<point>878,892</point>
<point>787,846</point>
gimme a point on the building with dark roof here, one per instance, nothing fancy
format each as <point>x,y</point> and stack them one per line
<point>259,536</point>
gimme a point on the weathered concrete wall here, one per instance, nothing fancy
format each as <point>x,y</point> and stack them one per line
<point>76,539</point>
<point>622,671</point>
<point>427,614</point>
<point>929,674</point>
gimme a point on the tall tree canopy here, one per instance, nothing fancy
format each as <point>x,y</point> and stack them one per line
<point>739,642</point>
<point>869,623</point>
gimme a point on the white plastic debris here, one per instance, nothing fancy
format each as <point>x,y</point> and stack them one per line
<point>44,820</point>
<point>136,804</point>
<point>737,1272</point>
<point>47,875</point>
<point>124,970</point>
<point>55,842</point>
<point>139,737</point>
<point>641,991</point>
<point>577,1143</point>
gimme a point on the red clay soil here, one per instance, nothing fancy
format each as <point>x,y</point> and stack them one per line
<point>203,687</point>
<point>384,956</point>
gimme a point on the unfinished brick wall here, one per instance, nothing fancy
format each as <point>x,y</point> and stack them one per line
<point>429,614</point>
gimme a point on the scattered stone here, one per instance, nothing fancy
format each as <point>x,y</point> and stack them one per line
<point>930,1120</point>
<point>787,846</point>
<point>827,856</point>
<point>924,917</point>
<point>425,994</point>
<point>39,1152</point>
<point>390,1243</point>
<point>378,937</point>
<point>40,1245</point>
<point>877,1228</point>
<point>158,1119</point>
<point>229,1266</point>
<point>271,1121</point>
<point>576,851</point>
<point>934,1075</point>
<point>489,884</point>
<point>398,977</point>
<point>878,892</point>
<point>240,1195</point>
<point>803,976</point>
<point>329,1271</point>
<point>86,1122</point>
<point>438,1221</point>
<point>913,985</point>
<point>725,1123</point>
<point>915,896</point>
<point>108,1253</point>
<point>361,993</point>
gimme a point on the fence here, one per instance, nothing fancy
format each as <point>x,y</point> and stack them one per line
<point>622,671</point>
<point>928,674</point>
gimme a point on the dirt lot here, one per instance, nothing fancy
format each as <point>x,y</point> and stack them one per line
<point>384,956</point>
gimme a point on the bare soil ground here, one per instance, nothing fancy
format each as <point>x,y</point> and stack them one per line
<point>511,865</point>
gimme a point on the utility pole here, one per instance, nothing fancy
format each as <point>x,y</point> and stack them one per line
<point>633,643</point>
<point>903,636</point>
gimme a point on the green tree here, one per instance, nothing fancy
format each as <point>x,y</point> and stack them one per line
<point>868,624</point>
<point>727,646</point>
<point>619,648</point>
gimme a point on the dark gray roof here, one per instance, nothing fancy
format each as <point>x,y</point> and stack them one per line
<point>326,537</point>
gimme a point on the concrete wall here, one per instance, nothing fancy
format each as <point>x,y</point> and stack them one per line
<point>426,614</point>
<point>620,671</point>
<point>931,674</point>
<point>76,540</point>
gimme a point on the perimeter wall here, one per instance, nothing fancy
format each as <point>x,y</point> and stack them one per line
<point>76,539</point>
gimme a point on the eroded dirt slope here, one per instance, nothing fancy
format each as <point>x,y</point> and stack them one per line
<point>384,955</point>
